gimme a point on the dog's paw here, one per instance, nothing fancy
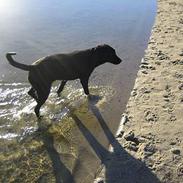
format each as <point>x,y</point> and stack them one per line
<point>40,117</point>
<point>94,98</point>
<point>90,97</point>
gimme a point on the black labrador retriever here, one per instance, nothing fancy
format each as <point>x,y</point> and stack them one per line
<point>75,65</point>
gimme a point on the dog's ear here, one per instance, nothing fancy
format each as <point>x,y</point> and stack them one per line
<point>97,48</point>
<point>100,48</point>
<point>94,49</point>
<point>103,46</point>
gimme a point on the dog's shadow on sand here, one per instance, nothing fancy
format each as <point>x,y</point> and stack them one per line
<point>120,166</point>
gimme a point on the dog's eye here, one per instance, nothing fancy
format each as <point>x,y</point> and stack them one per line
<point>113,52</point>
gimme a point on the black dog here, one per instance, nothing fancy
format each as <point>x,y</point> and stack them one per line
<point>75,65</point>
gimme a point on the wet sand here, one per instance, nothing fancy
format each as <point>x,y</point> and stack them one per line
<point>152,131</point>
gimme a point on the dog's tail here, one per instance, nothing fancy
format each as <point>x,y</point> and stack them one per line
<point>16,64</point>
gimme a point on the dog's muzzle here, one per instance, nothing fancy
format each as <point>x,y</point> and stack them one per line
<point>118,61</point>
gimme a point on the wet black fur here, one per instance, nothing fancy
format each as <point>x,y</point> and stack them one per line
<point>71,66</point>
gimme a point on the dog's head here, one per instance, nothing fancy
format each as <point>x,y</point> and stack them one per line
<point>107,54</point>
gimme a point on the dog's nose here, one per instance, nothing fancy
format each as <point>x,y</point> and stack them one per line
<point>119,60</point>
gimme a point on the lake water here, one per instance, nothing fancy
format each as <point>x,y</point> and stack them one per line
<point>34,29</point>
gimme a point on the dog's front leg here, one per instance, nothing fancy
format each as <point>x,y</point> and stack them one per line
<point>84,82</point>
<point>61,87</point>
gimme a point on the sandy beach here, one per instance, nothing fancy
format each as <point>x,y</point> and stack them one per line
<point>150,136</point>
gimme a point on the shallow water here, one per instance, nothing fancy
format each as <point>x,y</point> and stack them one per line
<point>33,30</point>
<point>59,128</point>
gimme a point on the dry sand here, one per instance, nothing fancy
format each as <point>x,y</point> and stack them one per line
<point>150,146</point>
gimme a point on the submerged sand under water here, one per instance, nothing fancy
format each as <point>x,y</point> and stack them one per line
<point>60,144</point>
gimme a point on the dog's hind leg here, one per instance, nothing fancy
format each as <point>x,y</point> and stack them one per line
<point>84,82</point>
<point>61,87</point>
<point>42,96</point>
<point>32,93</point>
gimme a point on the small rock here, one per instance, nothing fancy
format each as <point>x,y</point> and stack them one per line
<point>144,67</point>
<point>180,86</point>
<point>167,100</point>
<point>172,143</point>
<point>144,72</point>
<point>181,21</point>
<point>99,180</point>
<point>131,146</point>
<point>178,75</point>
<point>124,119</point>
<point>180,170</point>
<point>165,96</point>
<point>120,134</point>
<point>162,56</point>
<point>158,63</point>
<point>151,116</point>
<point>147,91</point>
<point>144,63</point>
<point>181,100</point>
<point>181,62</point>
<point>175,151</point>
<point>130,136</point>
<point>170,111</point>
<point>177,62</point>
<point>150,149</point>
<point>152,68</point>
<point>141,139</point>
<point>147,149</point>
<point>133,93</point>
<point>167,88</point>
<point>173,118</point>
<point>181,54</point>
